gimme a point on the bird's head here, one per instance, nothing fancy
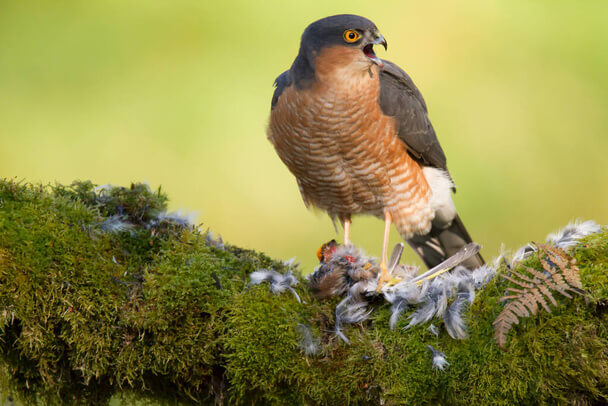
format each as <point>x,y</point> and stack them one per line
<point>351,36</point>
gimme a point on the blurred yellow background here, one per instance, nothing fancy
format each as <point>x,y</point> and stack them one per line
<point>178,94</point>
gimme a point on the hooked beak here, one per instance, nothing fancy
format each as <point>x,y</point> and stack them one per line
<point>368,50</point>
<point>381,41</point>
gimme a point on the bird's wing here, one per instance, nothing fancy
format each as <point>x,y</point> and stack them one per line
<point>280,83</point>
<point>400,98</point>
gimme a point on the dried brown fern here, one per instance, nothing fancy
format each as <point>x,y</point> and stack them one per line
<point>560,274</point>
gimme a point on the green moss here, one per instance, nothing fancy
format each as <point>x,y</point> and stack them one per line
<point>85,312</point>
<point>554,358</point>
<point>154,311</point>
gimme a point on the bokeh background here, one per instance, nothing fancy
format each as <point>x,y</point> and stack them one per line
<point>178,94</point>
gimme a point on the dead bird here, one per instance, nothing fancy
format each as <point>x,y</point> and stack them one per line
<point>340,267</point>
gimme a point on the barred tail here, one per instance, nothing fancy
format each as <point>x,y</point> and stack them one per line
<point>441,243</point>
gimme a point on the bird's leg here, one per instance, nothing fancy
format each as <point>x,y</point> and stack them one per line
<point>347,231</point>
<point>384,275</point>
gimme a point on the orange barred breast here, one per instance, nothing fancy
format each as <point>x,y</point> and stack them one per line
<point>344,152</point>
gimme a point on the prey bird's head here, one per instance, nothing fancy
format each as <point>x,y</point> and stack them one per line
<point>349,34</point>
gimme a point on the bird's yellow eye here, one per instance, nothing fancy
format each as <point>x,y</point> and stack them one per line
<point>351,36</point>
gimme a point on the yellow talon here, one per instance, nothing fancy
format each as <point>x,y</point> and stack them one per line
<point>385,276</point>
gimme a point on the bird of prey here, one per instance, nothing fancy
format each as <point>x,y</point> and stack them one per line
<point>354,130</point>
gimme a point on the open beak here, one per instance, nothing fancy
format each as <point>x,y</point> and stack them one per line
<point>368,50</point>
<point>381,41</point>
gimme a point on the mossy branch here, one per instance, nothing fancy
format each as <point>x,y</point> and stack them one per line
<point>102,294</point>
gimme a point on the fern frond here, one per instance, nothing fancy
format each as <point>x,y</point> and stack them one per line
<point>545,291</point>
<point>519,309</point>
<point>516,290</point>
<point>503,324</point>
<point>540,299</point>
<point>505,298</point>
<point>534,287</point>
<point>565,263</point>
<point>560,281</point>
<point>529,301</point>
<point>524,277</point>
<point>520,283</point>
<point>548,279</point>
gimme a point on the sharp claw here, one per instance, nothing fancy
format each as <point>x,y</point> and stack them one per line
<point>386,272</point>
<point>384,277</point>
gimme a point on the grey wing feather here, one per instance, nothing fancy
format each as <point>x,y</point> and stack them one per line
<point>400,98</point>
<point>280,83</point>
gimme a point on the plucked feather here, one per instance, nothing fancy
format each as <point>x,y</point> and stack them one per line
<point>116,224</point>
<point>396,309</point>
<point>423,314</point>
<point>439,360</point>
<point>278,282</point>
<point>308,342</point>
<point>350,311</point>
<point>454,323</point>
<point>178,218</point>
<point>211,241</point>
<point>569,235</point>
<point>563,239</point>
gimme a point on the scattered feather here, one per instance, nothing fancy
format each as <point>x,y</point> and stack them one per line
<point>101,189</point>
<point>345,270</point>
<point>291,263</point>
<point>564,238</point>
<point>213,242</point>
<point>462,280</point>
<point>441,303</point>
<point>177,217</point>
<point>350,311</point>
<point>115,224</point>
<point>308,342</point>
<point>483,275</point>
<point>396,309</point>
<point>410,292</point>
<point>340,334</point>
<point>278,282</point>
<point>454,323</point>
<point>439,360</point>
<point>423,314</point>
<point>462,255</point>
<point>569,235</point>
<point>434,330</point>
<point>433,297</point>
<point>522,253</point>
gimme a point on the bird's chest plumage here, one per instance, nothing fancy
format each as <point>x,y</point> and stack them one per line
<point>344,152</point>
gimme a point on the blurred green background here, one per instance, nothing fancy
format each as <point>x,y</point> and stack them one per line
<point>178,94</point>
